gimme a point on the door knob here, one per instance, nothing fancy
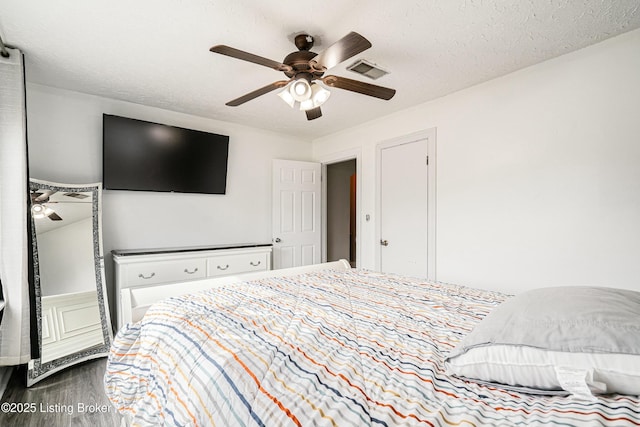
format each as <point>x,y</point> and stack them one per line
<point>384,242</point>
<point>277,240</point>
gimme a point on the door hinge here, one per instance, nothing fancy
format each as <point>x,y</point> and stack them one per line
<point>427,160</point>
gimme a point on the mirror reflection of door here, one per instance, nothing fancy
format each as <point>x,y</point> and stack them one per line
<point>65,244</point>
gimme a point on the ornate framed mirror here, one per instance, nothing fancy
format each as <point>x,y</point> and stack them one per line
<point>73,320</point>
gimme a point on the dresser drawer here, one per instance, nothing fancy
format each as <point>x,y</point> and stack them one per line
<point>150,267</point>
<point>235,264</point>
<point>165,271</point>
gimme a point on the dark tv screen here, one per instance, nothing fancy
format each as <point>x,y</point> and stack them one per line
<point>145,156</point>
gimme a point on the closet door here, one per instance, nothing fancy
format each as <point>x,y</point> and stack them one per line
<point>403,184</point>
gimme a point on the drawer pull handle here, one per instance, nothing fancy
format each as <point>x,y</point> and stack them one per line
<point>223,268</point>
<point>142,276</point>
<point>255,264</point>
<point>190,272</point>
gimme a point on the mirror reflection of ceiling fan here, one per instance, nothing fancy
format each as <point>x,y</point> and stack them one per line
<point>41,199</point>
<point>305,69</point>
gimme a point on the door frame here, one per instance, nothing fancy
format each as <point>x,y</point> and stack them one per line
<point>354,153</point>
<point>430,136</point>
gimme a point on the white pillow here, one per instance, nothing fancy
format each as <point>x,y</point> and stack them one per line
<point>577,340</point>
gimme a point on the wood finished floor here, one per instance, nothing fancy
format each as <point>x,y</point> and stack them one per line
<point>69,389</point>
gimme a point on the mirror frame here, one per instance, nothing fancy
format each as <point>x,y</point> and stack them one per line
<point>36,370</point>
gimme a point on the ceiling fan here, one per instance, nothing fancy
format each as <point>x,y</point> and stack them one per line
<point>305,68</point>
<point>38,207</point>
<point>41,199</point>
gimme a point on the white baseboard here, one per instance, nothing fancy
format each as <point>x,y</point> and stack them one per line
<point>5,375</point>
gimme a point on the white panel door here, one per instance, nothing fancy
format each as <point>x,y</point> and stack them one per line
<point>403,208</point>
<point>296,213</point>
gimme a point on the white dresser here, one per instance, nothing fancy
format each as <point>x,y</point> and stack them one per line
<point>145,267</point>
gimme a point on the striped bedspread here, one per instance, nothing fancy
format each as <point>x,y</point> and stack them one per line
<point>352,348</point>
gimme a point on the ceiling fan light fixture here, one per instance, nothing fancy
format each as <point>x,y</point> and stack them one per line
<point>285,95</point>
<point>40,211</point>
<point>319,95</point>
<point>300,90</point>
<point>306,105</point>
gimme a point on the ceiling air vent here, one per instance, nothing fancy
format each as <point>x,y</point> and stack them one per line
<point>366,68</point>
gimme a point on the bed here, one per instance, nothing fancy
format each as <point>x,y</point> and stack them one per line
<point>325,346</point>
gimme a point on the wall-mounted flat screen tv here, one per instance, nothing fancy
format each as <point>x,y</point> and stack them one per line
<point>145,156</point>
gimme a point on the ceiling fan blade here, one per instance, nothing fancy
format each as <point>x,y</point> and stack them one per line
<point>249,57</point>
<point>360,87</point>
<point>42,197</point>
<point>314,113</point>
<point>348,46</point>
<point>256,93</point>
<point>54,217</point>
<point>79,196</point>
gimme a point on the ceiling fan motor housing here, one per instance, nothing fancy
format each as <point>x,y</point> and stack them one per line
<point>303,41</point>
<point>299,63</point>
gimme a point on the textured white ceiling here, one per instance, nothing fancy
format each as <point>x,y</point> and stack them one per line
<point>156,52</point>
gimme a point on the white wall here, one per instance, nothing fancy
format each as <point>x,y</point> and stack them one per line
<point>538,176</point>
<point>65,145</point>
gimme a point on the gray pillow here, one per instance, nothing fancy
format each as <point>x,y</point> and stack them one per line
<point>577,339</point>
